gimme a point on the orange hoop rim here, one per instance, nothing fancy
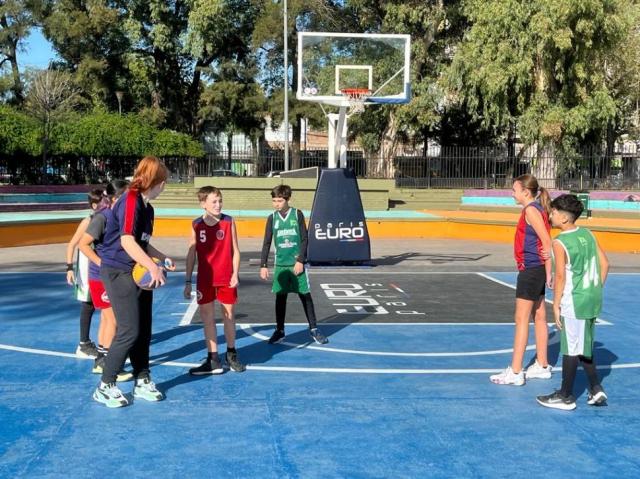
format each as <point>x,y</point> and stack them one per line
<point>355,92</point>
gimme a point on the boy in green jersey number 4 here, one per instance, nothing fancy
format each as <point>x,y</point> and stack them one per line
<point>581,269</point>
<point>287,228</point>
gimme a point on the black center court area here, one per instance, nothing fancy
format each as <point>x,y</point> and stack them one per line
<point>372,296</point>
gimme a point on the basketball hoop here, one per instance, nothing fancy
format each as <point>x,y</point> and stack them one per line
<point>356,97</point>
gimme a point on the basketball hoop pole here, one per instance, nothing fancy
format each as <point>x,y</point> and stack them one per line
<point>286,91</point>
<point>341,138</point>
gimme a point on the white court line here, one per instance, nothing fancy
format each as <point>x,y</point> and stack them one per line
<point>190,312</point>
<point>328,349</point>
<point>599,321</point>
<point>311,370</point>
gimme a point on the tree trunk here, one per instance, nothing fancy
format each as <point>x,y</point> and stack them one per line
<point>193,98</point>
<point>383,166</point>
<point>17,88</point>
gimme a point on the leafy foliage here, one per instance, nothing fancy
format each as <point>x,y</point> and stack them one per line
<point>19,133</point>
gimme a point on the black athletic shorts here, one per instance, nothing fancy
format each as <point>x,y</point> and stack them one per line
<point>530,283</point>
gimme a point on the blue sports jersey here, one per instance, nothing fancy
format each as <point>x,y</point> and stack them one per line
<point>130,216</point>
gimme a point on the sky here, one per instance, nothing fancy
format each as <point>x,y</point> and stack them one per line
<point>37,51</point>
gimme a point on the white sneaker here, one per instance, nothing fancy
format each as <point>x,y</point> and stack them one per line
<point>508,377</point>
<point>146,389</point>
<point>535,371</point>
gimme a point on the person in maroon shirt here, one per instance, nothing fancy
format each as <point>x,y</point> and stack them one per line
<point>214,242</point>
<point>125,243</point>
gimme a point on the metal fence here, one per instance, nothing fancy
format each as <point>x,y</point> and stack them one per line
<point>436,167</point>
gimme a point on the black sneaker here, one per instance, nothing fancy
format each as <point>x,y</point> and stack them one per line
<point>597,396</point>
<point>233,363</point>
<point>318,337</point>
<point>557,401</point>
<point>209,366</point>
<point>276,337</point>
<point>87,349</point>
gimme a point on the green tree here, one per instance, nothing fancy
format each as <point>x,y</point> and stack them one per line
<point>90,40</point>
<point>436,27</point>
<point>268,41</point>
<point>51,98</point>
<point>541,64</point>
<point>233,103</point>
<point>17,18</point>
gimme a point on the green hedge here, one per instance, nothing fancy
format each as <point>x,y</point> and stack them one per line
<point>19,133</point>
<point>94,134</point>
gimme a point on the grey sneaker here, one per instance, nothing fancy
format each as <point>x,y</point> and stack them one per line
<point>110,395</point>
<point>233,363</point>
<point>318,337</point>
<point>146,389</point>
<point>557,401</point>
<point>597,396</point>
<point>210,366</point>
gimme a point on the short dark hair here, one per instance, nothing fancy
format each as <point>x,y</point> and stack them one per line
<point>568,204</point>
<point>116,187</point>
<point>94,197</point>
<point>206,191</point>
<point>281,191</point>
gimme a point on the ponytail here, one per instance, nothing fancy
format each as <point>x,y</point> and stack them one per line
<point>539,193</point>
<point>545,199</point>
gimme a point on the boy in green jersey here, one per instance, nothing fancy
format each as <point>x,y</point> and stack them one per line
<point>581,269</point>
<point>288,230</point>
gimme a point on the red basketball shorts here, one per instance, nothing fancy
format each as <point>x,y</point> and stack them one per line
<point>222,294</point>
<point>98,294</point>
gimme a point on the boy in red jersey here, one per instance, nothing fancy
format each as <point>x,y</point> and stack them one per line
<point>215,244</point>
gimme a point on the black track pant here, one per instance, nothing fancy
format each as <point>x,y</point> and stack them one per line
<point>307,304</point>
<point>132,308</point>
<point>86,312</point>
<point>570,368</point>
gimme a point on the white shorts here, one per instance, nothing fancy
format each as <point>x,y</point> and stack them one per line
<point>577,336</point>
<point>82,278</point>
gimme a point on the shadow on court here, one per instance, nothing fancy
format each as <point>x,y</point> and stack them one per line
<point>390,260</point>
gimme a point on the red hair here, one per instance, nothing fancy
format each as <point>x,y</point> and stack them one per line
<point>149,172</point>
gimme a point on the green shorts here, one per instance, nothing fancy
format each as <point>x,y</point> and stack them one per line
<point>576,337</point>
<point>286,281</point>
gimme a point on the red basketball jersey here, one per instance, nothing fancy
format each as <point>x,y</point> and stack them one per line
<point>214,249</point>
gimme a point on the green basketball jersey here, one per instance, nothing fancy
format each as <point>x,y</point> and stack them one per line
<point>582,295</point>
<point>286,237</point>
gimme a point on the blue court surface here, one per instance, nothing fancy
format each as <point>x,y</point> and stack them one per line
<point>401,390</point>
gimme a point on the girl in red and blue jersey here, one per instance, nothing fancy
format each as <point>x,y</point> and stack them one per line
<point>532,249</point>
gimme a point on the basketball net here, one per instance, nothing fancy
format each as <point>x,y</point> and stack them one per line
<point>356,97</point>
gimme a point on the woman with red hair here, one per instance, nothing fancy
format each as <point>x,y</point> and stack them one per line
<point>126,242</point>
